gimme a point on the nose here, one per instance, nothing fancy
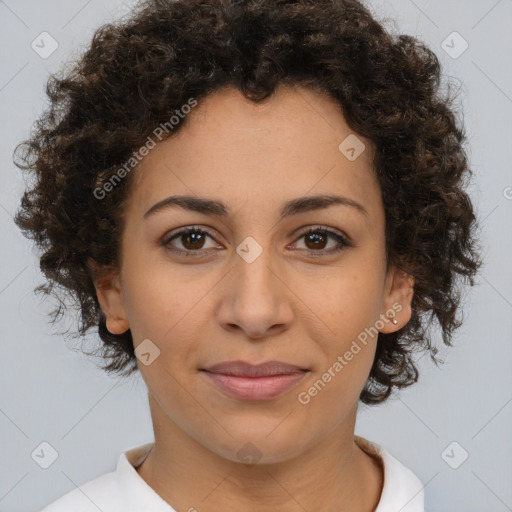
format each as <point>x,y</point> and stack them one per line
<point>256,299</point>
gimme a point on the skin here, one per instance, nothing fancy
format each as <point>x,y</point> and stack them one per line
<point>288,304</point>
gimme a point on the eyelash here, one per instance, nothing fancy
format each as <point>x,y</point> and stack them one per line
<point>344,243</point>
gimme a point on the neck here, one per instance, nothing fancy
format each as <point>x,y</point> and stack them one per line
<point>336,475</point>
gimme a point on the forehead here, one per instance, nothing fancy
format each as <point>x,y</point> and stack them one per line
<point>235,149</point>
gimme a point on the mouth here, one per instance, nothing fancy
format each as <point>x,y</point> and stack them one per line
<point>246,381</point>
<point>245,369</point>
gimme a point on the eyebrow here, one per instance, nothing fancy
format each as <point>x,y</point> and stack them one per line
<point>217,208</point>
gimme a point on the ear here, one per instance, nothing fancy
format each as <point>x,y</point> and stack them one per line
<point>398,294</point>
<point>110,296</point>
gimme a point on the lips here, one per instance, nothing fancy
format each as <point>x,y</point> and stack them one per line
<point>245,369</point>
<point>245,381</point>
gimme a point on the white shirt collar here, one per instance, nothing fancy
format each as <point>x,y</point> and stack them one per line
<point>402,490</point>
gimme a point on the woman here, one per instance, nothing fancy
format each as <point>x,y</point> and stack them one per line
<point>260,206</point>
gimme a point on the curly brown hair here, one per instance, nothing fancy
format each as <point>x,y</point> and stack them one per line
<point>138,71</point>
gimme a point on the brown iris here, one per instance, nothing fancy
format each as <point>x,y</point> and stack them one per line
<point>196,240</point>
<point>315,238</point>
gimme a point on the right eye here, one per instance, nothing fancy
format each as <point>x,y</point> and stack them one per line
<point>191,238</point>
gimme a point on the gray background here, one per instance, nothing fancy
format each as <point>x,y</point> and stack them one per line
<point>51,393</point>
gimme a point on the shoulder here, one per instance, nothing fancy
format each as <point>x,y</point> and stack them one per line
<point>122,490</point>
<point>100,493</point>
<point>402,489</point>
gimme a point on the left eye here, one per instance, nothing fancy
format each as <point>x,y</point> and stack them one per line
<point>193,239</point>
<point>315,240</point>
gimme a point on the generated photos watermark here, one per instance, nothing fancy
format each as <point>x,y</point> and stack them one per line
<point>304,397</point>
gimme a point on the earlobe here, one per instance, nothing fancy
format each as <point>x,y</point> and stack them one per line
<point>117,325</point>
<point>397,300</point>
<point>110,296</point>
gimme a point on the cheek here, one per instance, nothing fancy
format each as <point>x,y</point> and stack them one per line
<point>347,342</point>
<point>347,301</point>
<point>348,306</point>
<point>161,300</point>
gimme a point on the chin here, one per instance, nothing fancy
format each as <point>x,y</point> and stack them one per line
<point>257,447</point>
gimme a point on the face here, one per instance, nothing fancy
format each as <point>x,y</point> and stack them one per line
<point>250,282</point>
